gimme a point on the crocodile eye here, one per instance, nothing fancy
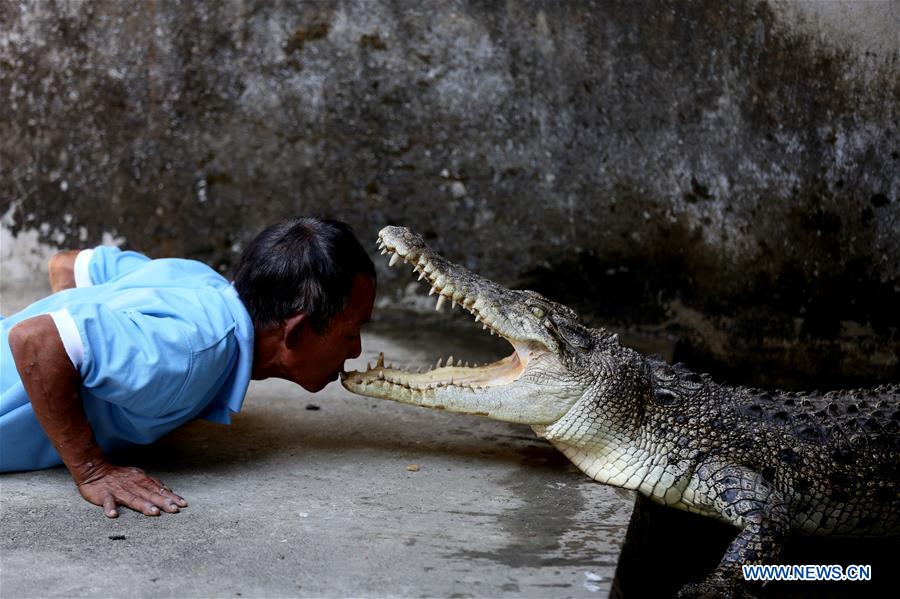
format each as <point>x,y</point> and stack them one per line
<point>538,312</point>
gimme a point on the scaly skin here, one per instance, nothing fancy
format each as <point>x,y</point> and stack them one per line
<point>770,463</point>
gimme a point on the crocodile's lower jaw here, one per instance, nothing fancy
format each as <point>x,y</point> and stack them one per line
<point>390,383</point>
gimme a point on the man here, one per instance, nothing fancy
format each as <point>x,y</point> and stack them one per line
<point>126,349</point>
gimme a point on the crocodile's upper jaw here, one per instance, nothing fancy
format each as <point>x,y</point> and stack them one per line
<point>510,314</point>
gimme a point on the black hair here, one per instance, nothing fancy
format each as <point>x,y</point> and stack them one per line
<point>305,264</point>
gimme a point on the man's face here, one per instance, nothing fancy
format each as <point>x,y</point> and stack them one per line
<point>319,359</point>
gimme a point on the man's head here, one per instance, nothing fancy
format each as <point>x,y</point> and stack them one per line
<point>308,286</point>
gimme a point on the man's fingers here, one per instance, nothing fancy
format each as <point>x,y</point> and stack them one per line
<point>154,499</point>
<point>168,494</point>
<point>109,506</point>
<point>164,490</point>
<point>163,496</point>
<point>157,483</point>
<point>139,504</point>
<point>164,502</point>
<point>181,501</point>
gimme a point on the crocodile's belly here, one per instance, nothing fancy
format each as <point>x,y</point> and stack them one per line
<point>817,513</point>
<point>631,468</point>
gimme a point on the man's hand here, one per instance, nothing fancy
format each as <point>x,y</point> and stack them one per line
<point>53,386</point>
<point>110,486</point>
<point>61,270</point>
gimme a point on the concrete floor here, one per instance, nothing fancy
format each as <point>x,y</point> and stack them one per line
<point>293,501</point>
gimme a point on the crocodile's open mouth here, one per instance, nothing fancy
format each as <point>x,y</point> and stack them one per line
<point>455,285</point>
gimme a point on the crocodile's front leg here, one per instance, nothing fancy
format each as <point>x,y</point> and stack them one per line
<point>744,498</point>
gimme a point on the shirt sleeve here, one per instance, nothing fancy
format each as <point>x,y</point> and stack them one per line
<point>136,361</point>
<point>104,263</point>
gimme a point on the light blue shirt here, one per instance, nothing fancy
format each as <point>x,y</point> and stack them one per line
<point>156,343</point>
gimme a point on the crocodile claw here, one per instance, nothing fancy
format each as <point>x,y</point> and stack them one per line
<point>716,587</point>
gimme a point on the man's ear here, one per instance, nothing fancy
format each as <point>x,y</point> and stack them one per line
<point>293,327</point>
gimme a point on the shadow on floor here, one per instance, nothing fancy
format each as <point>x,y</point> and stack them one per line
<point>272,435</point>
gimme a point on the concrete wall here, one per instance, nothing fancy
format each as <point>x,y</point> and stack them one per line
<point>724,172</point>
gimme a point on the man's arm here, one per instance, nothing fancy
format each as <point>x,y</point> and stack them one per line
<point>52,384</point>
<point>61,269</point>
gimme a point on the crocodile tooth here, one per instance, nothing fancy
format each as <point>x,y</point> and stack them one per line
<point>450,361</point>
<point>440,302</point>
<point>467,363</point>
<point>438,365</point>
<point>394,260</point>
<point>483,327</point>
<point>368,366</point>
<point>384,251</point>
<point>477,317</point>
<point>380,363</point>
<point>433,290</point>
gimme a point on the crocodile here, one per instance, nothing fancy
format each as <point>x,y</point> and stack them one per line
<point>770,463</point>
